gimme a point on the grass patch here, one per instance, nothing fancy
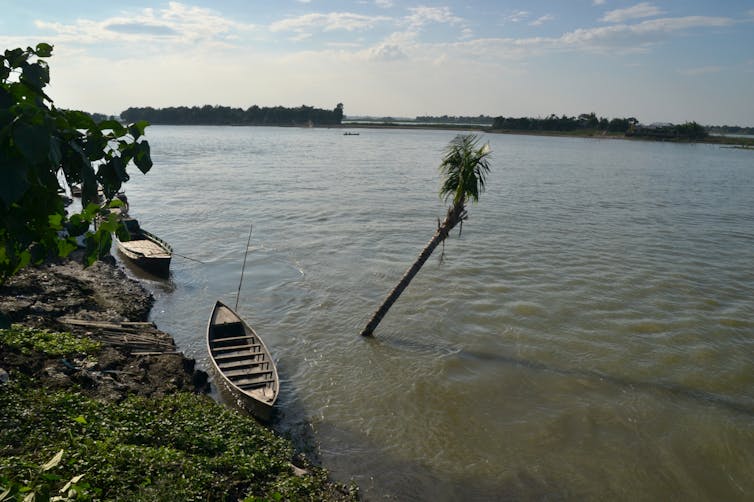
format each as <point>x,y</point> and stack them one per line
<point>28,340</point>
<point>182,447</point>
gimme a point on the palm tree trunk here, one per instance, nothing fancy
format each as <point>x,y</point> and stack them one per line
<point>455,215</point>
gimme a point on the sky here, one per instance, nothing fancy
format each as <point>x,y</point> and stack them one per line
<point>658,61</point>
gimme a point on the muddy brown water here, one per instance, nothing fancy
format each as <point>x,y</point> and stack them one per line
<point>590,336</point>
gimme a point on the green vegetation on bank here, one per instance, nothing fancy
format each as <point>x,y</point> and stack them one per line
<point>61,443</point>
<point>181,447</point>
<point>225,115</point>
<point>28,340</point>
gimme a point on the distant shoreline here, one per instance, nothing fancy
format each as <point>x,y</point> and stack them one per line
<point>732,141</point>
<point>729,141</point>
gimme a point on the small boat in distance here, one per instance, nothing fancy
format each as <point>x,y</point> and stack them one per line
<point>350,133</point>
<point>242,360</point>
<point>145,249</point>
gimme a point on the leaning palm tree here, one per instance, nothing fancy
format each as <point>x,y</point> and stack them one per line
<point>464,168</point>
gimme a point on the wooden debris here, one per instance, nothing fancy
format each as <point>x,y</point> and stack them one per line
<point>141,338</point>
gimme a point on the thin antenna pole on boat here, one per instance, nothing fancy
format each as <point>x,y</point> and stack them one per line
<point>238,293</point>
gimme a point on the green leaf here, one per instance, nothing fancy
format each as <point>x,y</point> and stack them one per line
<point>54,461</point>
<point>112,125</point>
<point>110,175</point>
<point>77,225</point>
<point>13,181</point>
<point>24,258</point>
<point>79,120</point>
<point>37,141</point>
<point>33,141</point>
<point>143,159</point>
<point>137,129</point>
<point>44,50</point>
<point>6,99</point>
<point>80,419</point>
<point>90,211</point>
<point>16,57</point>
<point>36,75</point>
<point>56,221</point>
<point>122,232</point>
<point>95,145</point>
<point>97,245</point>
<point>56,155</point>
<point>66,246</point>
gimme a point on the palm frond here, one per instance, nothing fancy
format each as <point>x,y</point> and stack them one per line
<point>464,166</point>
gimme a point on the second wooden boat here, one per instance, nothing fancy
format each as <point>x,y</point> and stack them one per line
<point>145,249</point>
<point>242,360</point>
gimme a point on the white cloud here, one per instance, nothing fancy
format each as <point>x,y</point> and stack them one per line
<point>385,4</point>
<point>177,23</point>
<point>421,16</point>
<point>542,20</point>
<point>517,16</point>
<point>638,11</point>
<point>328,22</point>
<point>636,37</point>
<point>598,2</point>
<point>620,38</point>
<point>386,52</point>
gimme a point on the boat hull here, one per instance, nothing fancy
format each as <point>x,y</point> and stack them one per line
<point>148,252</point>
<point>242,362</point>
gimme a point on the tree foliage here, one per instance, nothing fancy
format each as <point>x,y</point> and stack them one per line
<point>585,121</point>
<point>688,131</point>
<point>225,115</point>
<point>43,148</point>
<point>464,168</point>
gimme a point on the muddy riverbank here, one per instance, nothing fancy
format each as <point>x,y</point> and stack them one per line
<point>100,302</point>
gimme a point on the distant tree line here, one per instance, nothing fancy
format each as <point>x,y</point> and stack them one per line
<point>451,119</point>
<point>672,132</point>
<point>225,115</point>
<point>726,129</point>
<point>101,117</point>
<point>585,121</point>
<point>590,122</point>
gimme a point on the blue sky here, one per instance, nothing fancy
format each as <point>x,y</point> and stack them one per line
<point>654,60</point>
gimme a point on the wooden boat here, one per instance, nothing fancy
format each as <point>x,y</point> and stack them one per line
<point>242,360</point>
<point>145,249</point>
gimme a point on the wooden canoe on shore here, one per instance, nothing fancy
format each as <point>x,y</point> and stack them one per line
<point>145,249</point>
<point>242,361</point>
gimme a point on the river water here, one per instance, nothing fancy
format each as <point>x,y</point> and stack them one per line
<point>590,335</point>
